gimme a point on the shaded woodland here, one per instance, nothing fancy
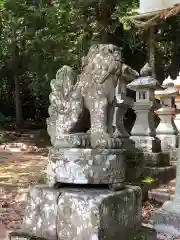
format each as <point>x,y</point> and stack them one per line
<point>39,37</point>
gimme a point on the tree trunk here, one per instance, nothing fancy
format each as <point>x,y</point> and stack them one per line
<point>151,49</point>
<point>104,11</point>
<point>18,103</point>
<point>16,72</point>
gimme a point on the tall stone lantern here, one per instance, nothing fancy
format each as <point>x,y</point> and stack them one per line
<point>166,130</point>
<point>143,132</point>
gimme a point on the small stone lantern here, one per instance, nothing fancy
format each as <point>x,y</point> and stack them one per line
<point>166,130</point>
<point>143,132</point>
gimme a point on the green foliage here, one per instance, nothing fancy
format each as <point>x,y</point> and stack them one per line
<point>52,33</point>
<point>148,180</point>
<point>49,34</point>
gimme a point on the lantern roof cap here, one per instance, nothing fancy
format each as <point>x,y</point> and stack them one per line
<point>166,92</point>
<point>177,80</point>
<point>146,82</point>
<point>168,82</point>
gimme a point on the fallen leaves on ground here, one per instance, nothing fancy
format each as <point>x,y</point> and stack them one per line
<point>21,165</point>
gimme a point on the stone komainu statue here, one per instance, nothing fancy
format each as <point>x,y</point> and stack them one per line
<point>94,90</point>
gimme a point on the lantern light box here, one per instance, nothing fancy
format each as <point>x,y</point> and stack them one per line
<point>156,5</point>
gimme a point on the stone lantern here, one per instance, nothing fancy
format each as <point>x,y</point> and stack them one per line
<point>166,130</point>
<point>143,132</point>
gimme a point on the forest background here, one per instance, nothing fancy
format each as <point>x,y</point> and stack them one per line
<point>37,37</point>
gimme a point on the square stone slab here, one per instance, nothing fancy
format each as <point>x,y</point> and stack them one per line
<point>167,219</point>
<point>98,214</point>
<point>81,214</point>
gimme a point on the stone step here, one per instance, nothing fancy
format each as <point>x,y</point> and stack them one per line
<point>162,174</point>
<point>159,196</point>
<point>163,193</point>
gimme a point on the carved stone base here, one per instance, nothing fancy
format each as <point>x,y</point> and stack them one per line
<point>86,166</point>
<point>81,140</point>
<point>156,159</point>
<point>78,214</point>
<point>168,142</point>
<point>167,220</point>
<point>147,143</point>
<point>76,140</point>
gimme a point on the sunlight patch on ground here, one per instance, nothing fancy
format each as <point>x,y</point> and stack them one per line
<point>19,169</point>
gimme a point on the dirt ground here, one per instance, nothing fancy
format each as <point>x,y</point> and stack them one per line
<point>21,165</point>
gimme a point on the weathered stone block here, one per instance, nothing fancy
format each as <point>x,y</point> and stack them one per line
<point>156,159</point>
<point>147,143</point>
<point>98,214</point>
<point>76,140</point>
<point>167,221</point>
<point>168,142</point>
<point>41,212</point>
<point>86,166</point>
<point>80,214</point>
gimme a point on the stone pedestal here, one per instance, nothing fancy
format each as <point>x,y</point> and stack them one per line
<point>86,166</point>
<point>166,219</point>
<point>78,214</point>
<point>147,144</point>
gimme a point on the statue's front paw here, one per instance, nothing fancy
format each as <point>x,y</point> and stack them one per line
<point>100,140</point>
<point>116,134</point>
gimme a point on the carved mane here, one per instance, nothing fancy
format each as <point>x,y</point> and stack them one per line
<point>101,62</point>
